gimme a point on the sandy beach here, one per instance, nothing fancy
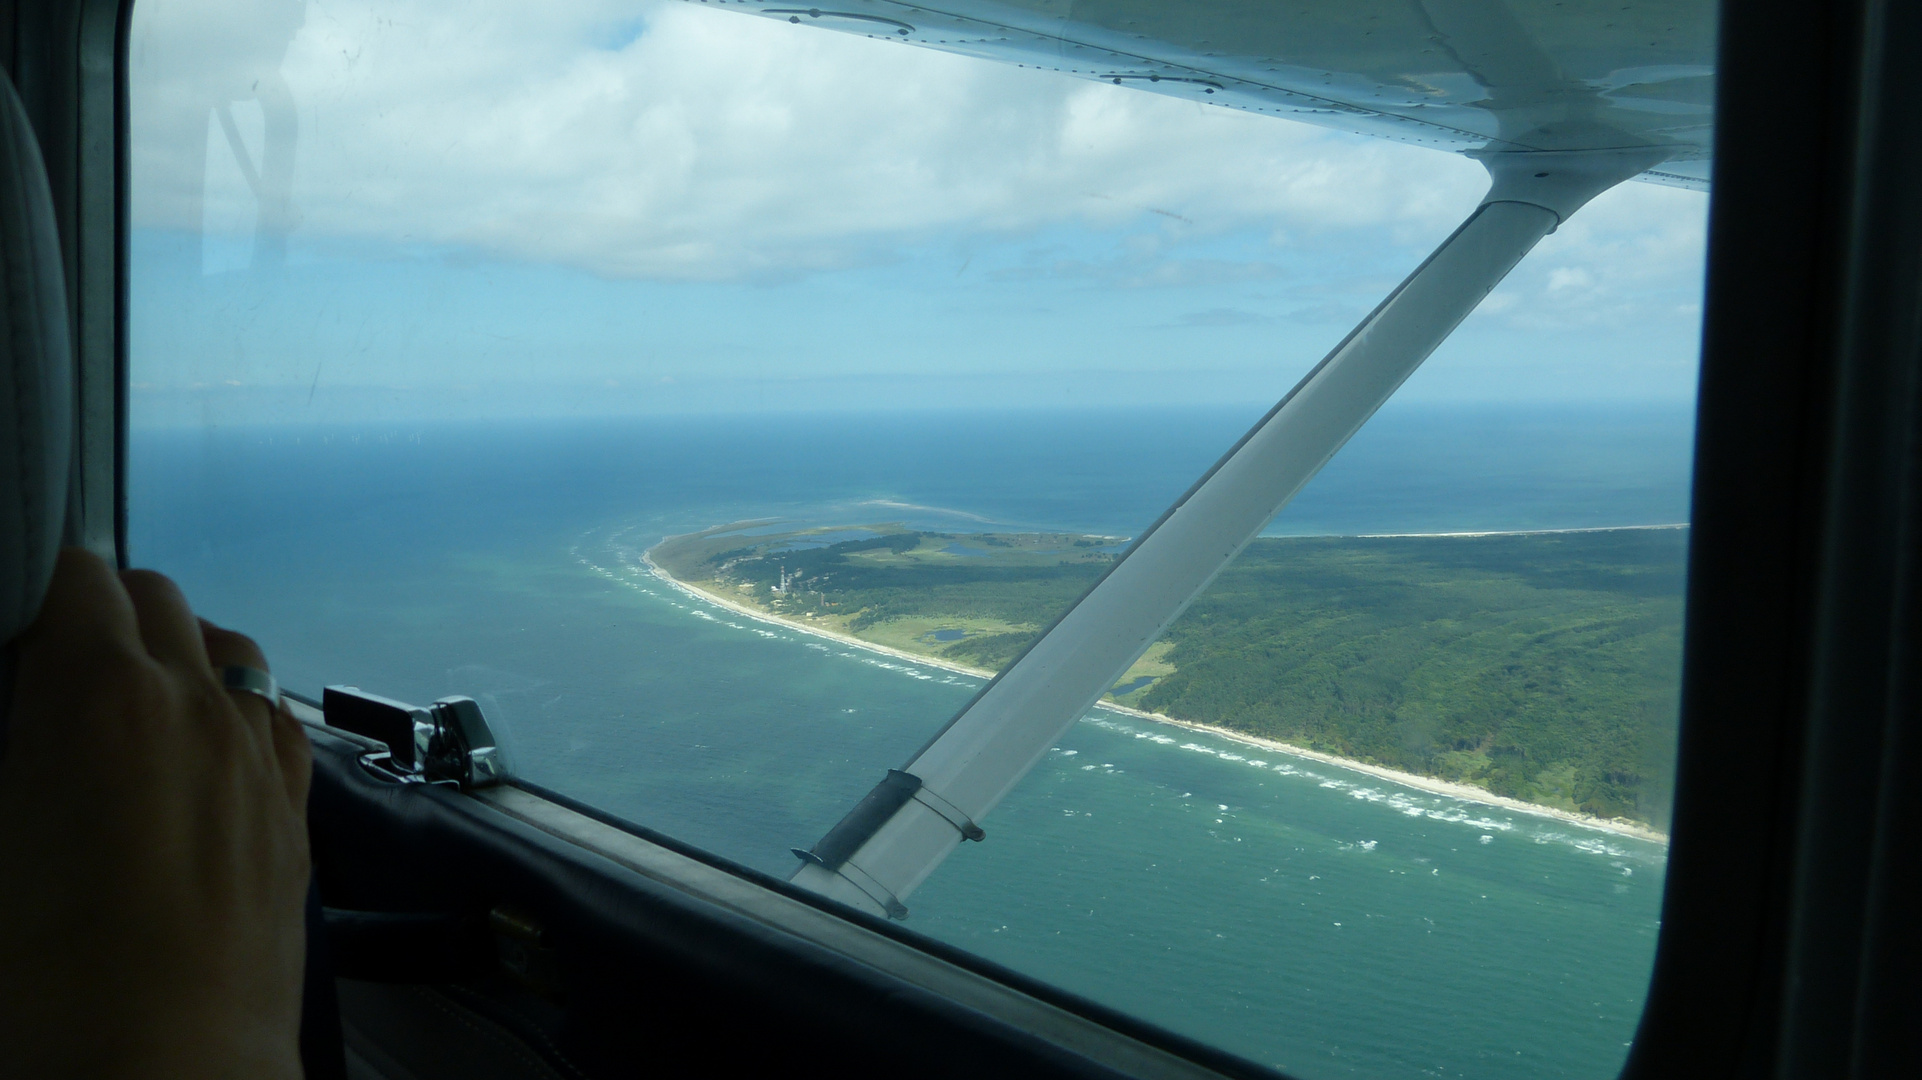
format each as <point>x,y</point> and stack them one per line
<point>1464,792</point>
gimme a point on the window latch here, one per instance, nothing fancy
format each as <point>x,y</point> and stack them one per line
<point>448,742</point>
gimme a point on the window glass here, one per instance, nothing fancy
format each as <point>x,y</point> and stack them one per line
<point>719,399</point>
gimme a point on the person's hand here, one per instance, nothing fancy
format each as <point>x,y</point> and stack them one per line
<point>153,844</point>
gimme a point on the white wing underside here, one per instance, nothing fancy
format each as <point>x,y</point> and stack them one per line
<point>1458,75</point>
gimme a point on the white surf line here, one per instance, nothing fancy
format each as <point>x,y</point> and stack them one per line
<point>1429,784</point>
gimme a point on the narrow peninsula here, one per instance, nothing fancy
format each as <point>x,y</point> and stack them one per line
<point>1538,670</point>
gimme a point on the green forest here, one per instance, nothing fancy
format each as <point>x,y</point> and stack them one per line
<point>1543,666</point>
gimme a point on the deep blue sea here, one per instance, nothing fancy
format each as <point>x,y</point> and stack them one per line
<point>1310,917</point>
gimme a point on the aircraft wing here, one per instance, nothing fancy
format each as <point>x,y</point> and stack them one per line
<point>1460,75</point>
<point>1559,99</point>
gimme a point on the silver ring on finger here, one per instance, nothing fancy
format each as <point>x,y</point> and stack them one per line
<point>238,679</point>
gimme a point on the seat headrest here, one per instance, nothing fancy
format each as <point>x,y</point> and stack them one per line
<point>36,374</point>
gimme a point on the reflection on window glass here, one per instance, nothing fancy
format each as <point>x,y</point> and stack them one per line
<point>720,401</point>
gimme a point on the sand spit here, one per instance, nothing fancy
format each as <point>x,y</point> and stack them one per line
<point>1464,792</point>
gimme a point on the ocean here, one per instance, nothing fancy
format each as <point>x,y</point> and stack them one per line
<point>1314,918</point>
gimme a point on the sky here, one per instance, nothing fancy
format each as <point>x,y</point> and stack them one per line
<point>591,208</point>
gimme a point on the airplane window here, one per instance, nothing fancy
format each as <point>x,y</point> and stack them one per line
<point>720,399</point>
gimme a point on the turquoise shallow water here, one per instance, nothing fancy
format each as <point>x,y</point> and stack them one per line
<point>1306,916</point>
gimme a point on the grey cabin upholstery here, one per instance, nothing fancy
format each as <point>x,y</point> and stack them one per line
<point>36,378</point>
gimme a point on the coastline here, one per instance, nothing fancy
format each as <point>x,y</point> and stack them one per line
<point>1432,785</point>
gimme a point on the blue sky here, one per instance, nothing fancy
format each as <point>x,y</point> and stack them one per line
<point>511,210</point>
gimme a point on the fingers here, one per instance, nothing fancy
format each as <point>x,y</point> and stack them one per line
<point>227,647</point>
<point>292,754</point>
<point>85,605</point>
<point>88,606</point>
<point>167,625</point>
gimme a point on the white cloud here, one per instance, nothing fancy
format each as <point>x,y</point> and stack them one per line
<point>711,144</point>
<point>1565,277</point>
<point>670,142</point>
<point>1627,257</point>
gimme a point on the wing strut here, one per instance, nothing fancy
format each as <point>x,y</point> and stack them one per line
<point>909,823</point>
